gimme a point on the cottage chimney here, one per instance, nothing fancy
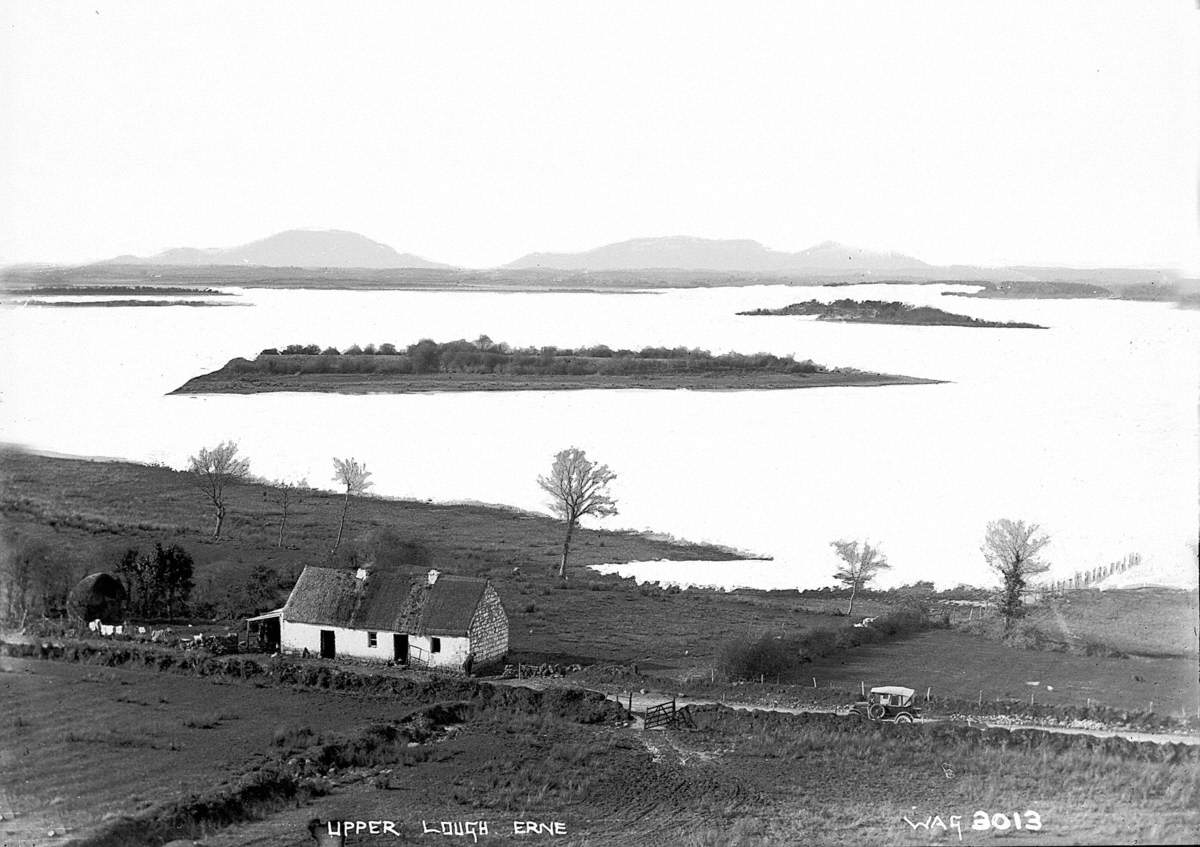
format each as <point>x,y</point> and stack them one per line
<point>433,575</point>
<point>364,570</point>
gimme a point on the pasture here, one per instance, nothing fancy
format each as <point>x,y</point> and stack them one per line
<point>959,666</point>
<point>87,746</point>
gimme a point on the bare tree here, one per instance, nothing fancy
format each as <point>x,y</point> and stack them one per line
<point>1011,549</point>
<point>355,478</point>
<point>286,494</point>
<point>578,487</point>
<point>861,565</point>
<point>28,571</point>
<point>212,470</point>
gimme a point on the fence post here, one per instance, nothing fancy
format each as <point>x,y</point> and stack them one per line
<point>862,687</point>
<point>981,698</point>
<point>814,682</point>
<point>927,692</point>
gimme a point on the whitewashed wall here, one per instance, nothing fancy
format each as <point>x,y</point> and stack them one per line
<point>452,655</point>
<point>295,637</point>
<point>352,643</point>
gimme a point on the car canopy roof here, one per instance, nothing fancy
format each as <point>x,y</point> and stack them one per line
<point>893,689</point>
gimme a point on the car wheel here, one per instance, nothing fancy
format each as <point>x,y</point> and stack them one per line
<point>875,712</point>
<point>904,718</point>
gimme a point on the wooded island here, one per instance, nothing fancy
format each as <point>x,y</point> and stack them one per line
<point>886,312</point>
<point>484,365</point>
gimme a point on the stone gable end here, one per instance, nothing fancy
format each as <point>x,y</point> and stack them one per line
<point>489,630</point>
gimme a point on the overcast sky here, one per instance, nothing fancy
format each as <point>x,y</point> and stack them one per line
<point>471,133</point>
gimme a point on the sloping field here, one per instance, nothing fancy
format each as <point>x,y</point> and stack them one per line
<point>743,780</point>
<point>958,665</point>
<point>84,744</point>
<point>1142,621</point>
<point>79,742</point>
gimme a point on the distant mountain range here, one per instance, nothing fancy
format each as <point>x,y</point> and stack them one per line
<point>679,253</point>
<point>295,248</point>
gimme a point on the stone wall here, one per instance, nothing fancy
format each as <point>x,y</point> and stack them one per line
<point>489,631</point>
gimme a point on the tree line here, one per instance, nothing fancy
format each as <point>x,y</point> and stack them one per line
<point>483,356</point>
<point>1011,548</point>
<point>577,487</point>
<point>33,581</point>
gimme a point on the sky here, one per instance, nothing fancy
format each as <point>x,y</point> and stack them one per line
<point>472,133</point>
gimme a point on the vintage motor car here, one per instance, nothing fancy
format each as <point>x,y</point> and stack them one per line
<point>887,703</point>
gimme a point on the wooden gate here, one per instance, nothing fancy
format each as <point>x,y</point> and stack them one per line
<point>661,715</point>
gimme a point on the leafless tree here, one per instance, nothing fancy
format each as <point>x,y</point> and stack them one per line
<point>861,564</point>
<point>355,478</point>
<point>1011,549</point>
<point>286,494</point>
<point>34,579</point>
<point>211,470</point>
<point>577,488</point>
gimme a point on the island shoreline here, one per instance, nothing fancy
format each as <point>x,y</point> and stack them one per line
<point>441,385</point>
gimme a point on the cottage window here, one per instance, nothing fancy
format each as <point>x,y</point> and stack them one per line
<point>435,645</point>
<point>372,640</point>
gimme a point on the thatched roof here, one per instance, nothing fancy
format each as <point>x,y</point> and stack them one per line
<point>448,605</point>
<point>384,601</point>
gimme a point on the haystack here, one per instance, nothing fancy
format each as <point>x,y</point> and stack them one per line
<point>98,595</point>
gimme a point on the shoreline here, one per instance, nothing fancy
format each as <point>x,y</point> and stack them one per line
<point>217,383</point>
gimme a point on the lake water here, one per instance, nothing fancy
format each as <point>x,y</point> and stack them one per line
<point>1089,428</point>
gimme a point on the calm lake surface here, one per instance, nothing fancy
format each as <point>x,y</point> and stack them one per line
<point>1089,427</point>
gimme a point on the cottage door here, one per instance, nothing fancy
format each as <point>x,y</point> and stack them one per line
<point>327,644</point>
<point>400,644</point>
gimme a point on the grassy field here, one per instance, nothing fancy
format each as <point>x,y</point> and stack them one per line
<point>1139,621</point>
<point>85,746</point>
<point>80,743</point>
<point>957,665</point>
<point>591,618</point>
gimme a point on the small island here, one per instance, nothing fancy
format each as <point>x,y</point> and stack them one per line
<point>1035,290</point>
<point>114,296</point>
<point>94,304</point>
<point>483,365</point>
<point>81,290</point>
<point>886,312</point>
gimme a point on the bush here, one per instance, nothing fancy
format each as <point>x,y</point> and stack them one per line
<point>780,656</point>
<point>768,656</point>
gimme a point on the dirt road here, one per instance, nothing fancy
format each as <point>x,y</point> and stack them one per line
<point>641,702</point>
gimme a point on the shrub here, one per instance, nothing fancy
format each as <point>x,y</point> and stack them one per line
<point>750,658</point>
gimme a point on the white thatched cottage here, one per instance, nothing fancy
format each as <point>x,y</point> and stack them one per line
<point>442,621</point>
